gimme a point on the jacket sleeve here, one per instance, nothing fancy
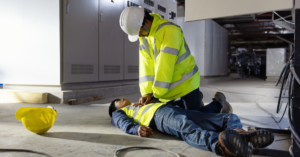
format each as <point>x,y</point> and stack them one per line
<point>166,59</point>
<point>146,68</point>
<point>120,120</point>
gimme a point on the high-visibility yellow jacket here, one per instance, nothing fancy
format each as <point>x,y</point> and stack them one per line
<point>142,115</point>
<point>167,68</point>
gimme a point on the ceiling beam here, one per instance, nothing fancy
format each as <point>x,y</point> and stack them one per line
<point>211,9</point>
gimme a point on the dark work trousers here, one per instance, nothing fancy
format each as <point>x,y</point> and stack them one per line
<point>191,101</point>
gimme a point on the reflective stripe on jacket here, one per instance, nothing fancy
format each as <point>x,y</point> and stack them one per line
<point>142,115</point>
<point>167,68</point>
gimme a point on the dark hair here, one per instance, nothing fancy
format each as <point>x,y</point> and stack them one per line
<point>147,16</point>
<point>112,107</point>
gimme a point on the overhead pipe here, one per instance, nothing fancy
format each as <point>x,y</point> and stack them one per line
<point>247,22</point>
<point>250,31</point>
<point>249,27</point>
<point>236,42</point>
<point>263,15</point>
<point>253,36</point>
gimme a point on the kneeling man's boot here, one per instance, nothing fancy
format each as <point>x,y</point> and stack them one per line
<point>226,106</point>
<point>231,144</point>
<point>258,138</point>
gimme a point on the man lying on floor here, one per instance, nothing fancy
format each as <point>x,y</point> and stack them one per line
<point>218,132</point>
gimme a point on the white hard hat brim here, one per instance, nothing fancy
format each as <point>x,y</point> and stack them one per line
<point>133,38</point>
<point>131,20</point>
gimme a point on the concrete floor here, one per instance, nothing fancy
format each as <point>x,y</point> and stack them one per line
<point>85,129</point>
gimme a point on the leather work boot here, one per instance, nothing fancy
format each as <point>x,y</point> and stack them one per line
<point>231,144</point>
<point>258,138</point>
<point>226,106</point>
<point>201,99</point>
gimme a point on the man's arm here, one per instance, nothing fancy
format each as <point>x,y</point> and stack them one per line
<point>120,120</point>
<point>146,70</point>
<point>168,54</point>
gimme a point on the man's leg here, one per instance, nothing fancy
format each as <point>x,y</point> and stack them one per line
<point>200,130</point>
<point>214,107</point>
<point>192,100</point>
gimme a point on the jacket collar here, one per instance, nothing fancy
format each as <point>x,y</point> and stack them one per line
<point>156,22</point>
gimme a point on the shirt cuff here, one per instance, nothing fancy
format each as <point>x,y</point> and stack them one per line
<point>135,130</point>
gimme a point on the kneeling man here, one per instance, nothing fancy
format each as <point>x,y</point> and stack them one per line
<point>216,132</point>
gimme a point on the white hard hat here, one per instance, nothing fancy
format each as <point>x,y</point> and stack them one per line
<point>131,20</point>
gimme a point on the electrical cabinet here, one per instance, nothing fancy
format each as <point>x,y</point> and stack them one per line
<point>276,58</point>
<point>216,49</point>
<point>172,10</point>
<point>80,41</point>
<point>148,5</point>
<point>208,42</point>
<point>131,51</point>
<point>161,8</point>
<point>132,3</point>
<point>95,47</point>
<point>111,41</point>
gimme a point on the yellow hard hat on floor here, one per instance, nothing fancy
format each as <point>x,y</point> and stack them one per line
<point>37,119</point>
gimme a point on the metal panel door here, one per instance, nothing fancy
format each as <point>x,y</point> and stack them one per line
<point>225,48</point>
<point>80,41</point>
<point>130,3</point>
<point>216,49</point>
<point>148,5</point>
<point>172,11</point>
<point>161,8</point>
<point>111,41</point>
<point>209,62</point>
<point>131,51</point>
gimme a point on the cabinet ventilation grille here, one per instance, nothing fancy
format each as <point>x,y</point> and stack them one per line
<point>133,69</point>
<point>112,69</point>
<point>82,69</point>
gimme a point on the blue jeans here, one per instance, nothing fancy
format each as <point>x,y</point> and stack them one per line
<point>198,129</point>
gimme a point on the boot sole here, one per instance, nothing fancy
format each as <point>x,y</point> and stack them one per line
<point>234,144</point>
<point>259,138</point>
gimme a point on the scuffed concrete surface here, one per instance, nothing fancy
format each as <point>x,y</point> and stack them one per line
<point>85,129</point>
